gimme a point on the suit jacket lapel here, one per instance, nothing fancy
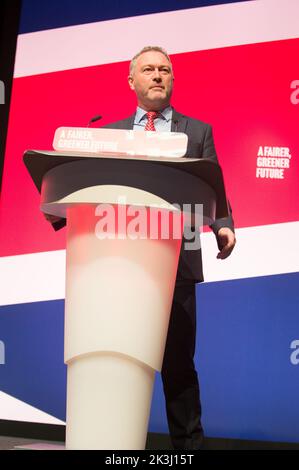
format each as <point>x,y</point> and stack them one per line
<point>129,122</point>
<point>178,122</point>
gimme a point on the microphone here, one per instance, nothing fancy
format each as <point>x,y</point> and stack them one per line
<point>176,123</point>
<point>94,119</point>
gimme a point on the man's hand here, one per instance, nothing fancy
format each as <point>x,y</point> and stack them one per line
<point>52,218</point>
<point>226,241</point>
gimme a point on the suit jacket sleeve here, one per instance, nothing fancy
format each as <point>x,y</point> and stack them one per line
<point>210,152</point>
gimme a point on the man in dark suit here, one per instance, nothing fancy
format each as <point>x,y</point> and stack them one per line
<point>151,77</point>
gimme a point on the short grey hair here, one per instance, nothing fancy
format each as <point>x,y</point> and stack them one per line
<point>147,49</point>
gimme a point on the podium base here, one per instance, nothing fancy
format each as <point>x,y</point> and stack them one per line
<point>111,396</point>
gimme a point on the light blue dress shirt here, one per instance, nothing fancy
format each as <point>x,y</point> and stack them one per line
<point>162,122</point>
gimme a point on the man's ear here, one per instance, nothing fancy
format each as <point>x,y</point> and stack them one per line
<point>131,82</point>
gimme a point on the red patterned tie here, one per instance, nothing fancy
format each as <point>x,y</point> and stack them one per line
<point>151,116</point>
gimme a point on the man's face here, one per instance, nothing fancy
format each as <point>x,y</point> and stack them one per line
<point>152,81</point>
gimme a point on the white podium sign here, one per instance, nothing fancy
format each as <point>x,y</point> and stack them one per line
<point>120,142</point>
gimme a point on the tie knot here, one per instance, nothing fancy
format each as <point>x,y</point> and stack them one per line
<point>151,115</point>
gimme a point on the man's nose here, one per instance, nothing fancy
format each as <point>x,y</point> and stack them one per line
<point>157,75</point>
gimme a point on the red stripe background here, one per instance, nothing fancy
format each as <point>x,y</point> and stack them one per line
<point>244,92</point>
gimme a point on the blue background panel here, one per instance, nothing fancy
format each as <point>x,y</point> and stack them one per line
<point>37,15</point>
<point>34,371</point>
<point>249,385</point>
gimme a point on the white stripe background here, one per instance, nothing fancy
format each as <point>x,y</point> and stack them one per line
<point>15,410</point>
<point>179,31</point>
<point>260,251</point>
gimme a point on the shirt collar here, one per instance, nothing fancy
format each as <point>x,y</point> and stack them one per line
<point>166,114</point>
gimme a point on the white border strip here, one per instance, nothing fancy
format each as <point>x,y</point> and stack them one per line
<point>16,410</point>
<point>178,31</point>
<point>260,251</point>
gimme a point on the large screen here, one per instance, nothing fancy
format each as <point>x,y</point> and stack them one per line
<point>236,68</point>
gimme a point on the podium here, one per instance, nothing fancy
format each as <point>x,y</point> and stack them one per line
<point>119,285</point>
